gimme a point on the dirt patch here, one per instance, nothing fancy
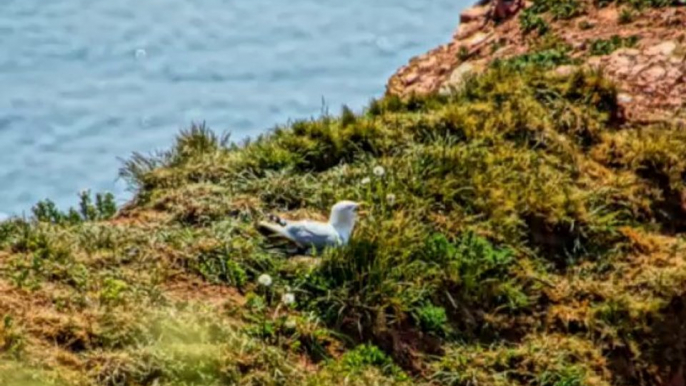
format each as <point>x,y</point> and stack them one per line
<point>184,289</point>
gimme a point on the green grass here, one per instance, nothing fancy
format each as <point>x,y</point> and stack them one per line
<point>519,234</point>
<point>531,19</point>
<point>559,10</point>
<point>538,16</point>
<point>626,16</point>
<point>549,53</point>
<point>639,4</point>
<point>607,46</point>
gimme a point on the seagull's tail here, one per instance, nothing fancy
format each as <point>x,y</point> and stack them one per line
<point>269,229</point>
<point>276,219</point>
<point>278,237</point>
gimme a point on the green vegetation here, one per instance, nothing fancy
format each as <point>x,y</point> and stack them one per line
<point>558,9</point>
<point>607,46</point>
<point>548,52</point>
<point>531,19</point>
<point>638,4</point>
<point>534,18</point>
<point>463,54</point>
<point>626,16</point>
<point>518,233</point>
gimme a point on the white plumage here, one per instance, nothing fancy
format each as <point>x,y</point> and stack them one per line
<point>317,234</point>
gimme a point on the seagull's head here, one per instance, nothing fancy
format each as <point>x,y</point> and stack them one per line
<point>344,214</point>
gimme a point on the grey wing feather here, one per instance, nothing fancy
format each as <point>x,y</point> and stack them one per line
<point>308,233</point>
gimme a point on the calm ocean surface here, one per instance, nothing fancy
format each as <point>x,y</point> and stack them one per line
<point>85,82</point>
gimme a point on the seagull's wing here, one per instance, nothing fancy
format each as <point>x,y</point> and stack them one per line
<point>312,233</point>
<point>269,229</point>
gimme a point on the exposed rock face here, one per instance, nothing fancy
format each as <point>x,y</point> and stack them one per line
<point>651,76</point>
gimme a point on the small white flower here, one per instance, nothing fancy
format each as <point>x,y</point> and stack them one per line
<point>290,324</point>
<point>265,280</point>
<point>288,298</point>
<point>379,171</point>
<point>390,198</point>
<point>366,180</point>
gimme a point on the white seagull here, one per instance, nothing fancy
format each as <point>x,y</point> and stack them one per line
<point>317,234</point>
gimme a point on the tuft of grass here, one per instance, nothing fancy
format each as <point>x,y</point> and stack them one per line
<point>104,208</point>
<point>358,359</point>
<point>550,360</point>
<point>607,46</point>
<point>626,16</point>
<point>549,53</point>
<point>432,319</point>
<point>530,21</point>
<point>639,4</point>
<point>463,54</point>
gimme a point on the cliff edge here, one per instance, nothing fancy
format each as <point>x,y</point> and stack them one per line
<point>640,45</point>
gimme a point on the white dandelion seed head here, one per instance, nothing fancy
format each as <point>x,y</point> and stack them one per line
<point>366,180</point>
<point>390,198</point>
<point>379,171</point>
<point>288,298</point>
<point>265,280</point>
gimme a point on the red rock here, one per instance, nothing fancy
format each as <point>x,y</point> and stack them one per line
<point>580,45</point>
<point>653,74</point>
<point>608,14</point>
<point>411,78</point>
<point>428,64</point>
<point>565,70</point>
<point>474,14</point>
<point>624,98</point>
<point>665,49</point>
<point>674,74</point>
<point>618,61</point>
<point>637,69</point>
<point>477,39</point>
<point>594,62</point>
<point>467,29</point>
<point>629,52</point>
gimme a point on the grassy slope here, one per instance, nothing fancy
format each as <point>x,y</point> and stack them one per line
<point>518,235</point>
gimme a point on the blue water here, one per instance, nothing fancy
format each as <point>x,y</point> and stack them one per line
<point>86,82</point>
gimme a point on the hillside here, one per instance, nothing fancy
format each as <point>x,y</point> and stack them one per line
<point>638,43</point>
<point>525,226</point>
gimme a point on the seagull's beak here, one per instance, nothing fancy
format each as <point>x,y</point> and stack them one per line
<point>361,208</point>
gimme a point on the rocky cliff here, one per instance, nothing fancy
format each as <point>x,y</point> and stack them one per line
<point>640,45</point>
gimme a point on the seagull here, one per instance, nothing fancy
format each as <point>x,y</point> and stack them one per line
<point>319,235</point>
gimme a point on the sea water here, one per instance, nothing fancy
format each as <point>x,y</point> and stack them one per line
<point>84,83</point>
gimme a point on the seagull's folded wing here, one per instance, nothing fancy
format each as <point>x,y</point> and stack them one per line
<point>308,233</point>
